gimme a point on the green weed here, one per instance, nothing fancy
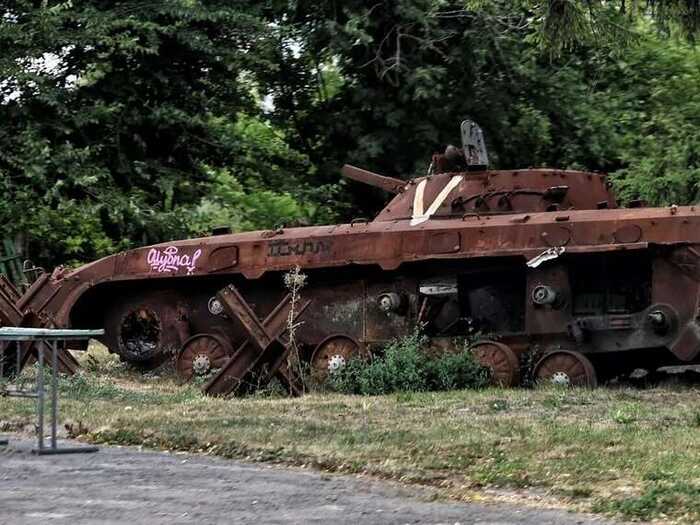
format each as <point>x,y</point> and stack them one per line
<point>405,366</point>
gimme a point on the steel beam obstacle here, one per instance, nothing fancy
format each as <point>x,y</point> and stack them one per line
<point>265,343</point>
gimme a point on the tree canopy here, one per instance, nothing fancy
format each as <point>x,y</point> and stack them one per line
<point>132,122</point>
<point>127,123</point>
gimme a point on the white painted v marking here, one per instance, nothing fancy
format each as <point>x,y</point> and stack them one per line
<point>420,216</point>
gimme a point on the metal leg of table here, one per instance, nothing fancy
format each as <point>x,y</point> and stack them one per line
<point>54,393</point>
<point>5,350</point>
<point>40,398</point>
<point>54,449</point>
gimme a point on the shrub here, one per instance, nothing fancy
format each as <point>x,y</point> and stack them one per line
<point>404,366</point>
<point>456,371</point>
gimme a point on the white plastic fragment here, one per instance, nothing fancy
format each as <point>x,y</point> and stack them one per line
<point>547,255</point>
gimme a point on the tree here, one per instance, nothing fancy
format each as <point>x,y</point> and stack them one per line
<point>538,76</point>
<point>117,118</point>
<point>138,121</point>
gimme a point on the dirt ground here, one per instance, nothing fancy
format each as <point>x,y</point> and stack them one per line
<point>126,485</point>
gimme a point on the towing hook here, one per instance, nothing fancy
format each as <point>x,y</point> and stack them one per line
<point>659,321</point>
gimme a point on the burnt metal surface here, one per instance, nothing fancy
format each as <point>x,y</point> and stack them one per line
<point>566,368</point>
<point>540,258</point>
<point>332,354</point>
<point>373,179</point>
<point>202,354</point>
<point>501,361</point>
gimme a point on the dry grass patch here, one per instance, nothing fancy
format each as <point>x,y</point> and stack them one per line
<point>623,452</point>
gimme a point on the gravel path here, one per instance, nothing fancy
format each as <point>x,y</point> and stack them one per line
<point>125,485</point>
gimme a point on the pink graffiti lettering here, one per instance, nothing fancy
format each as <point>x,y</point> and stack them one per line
<point>170,260</point>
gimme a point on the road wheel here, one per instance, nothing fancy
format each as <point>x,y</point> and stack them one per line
<point>500,359</point>
<point>332,354</point>
<point>201,354</point>
<point>147,328</point>
<point>566,368</point>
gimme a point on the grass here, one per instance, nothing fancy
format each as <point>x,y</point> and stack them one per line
<point>623,452</point>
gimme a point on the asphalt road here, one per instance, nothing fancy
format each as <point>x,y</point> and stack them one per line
<point>125,485</point>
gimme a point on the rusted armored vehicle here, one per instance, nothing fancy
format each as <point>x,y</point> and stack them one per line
<point>534,259</point>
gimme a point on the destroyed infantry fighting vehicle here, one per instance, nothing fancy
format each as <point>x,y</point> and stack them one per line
<point>535,259</point>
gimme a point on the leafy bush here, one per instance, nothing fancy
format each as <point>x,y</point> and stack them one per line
<point>404,366</point>
<point>455,371</point>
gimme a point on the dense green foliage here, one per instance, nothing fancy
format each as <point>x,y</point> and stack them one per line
<point>138,121</point>
<point>126,124</point>
<point>411,70</point>
<point>406,366</point>
<point>654,121</point>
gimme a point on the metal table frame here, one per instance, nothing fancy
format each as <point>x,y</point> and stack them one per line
<point>45,337</point>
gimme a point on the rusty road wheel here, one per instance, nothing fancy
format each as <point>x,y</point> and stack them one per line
<point>501,360</point>
<point>566,368</point>
<point>201,354</point>
<point>332,354</point>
